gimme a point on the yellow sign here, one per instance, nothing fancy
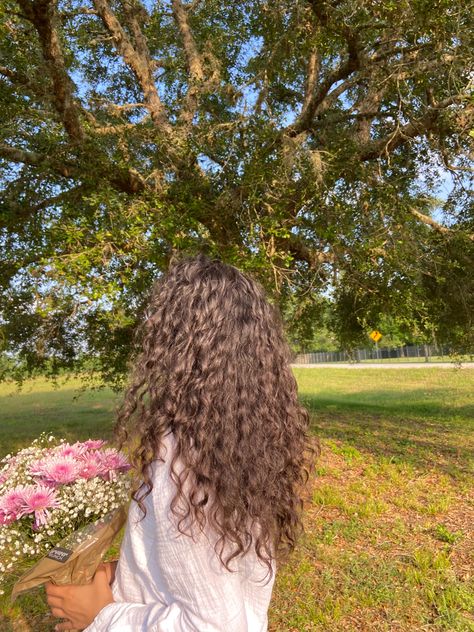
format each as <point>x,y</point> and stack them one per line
<point>375,335</point>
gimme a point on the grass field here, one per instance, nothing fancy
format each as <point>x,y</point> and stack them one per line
<point>389,541</point>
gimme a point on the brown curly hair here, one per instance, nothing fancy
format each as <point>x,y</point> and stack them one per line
<point>213,368</point>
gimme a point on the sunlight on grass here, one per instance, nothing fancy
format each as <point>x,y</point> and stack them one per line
<point>66,412</point>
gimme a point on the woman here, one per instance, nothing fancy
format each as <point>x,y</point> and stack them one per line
<point>218,437</point>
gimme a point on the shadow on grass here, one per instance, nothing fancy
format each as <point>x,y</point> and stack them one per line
<point>402,433</point>
<point>412,403</point>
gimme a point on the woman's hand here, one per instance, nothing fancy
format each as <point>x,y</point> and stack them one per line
<point>80,604</point>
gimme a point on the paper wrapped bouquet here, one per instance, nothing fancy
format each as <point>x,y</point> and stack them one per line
<point>61,506</point>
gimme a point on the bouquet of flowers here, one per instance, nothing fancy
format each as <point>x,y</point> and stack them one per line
<point>61,506</point>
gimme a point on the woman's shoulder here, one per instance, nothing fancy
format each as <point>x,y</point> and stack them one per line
<point>166,474</point>
<point>167,447</point>
<point>161,464</point>
<point>157,488</point>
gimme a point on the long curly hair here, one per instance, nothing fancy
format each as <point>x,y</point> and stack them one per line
<point>213,369</point>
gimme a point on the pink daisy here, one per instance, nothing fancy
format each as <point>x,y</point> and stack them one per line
<point>56,469</point>
<point>38,499</point>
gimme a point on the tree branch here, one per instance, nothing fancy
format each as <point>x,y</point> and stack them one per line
<point>139,64</point>
<point>135,13</point>
<point>192,5</point>
<point>343,71</point>
<point>122,179</point>
<point>13,154</point>
<point>303,252</point>
<point>120,127</point>
<point>23,210</point>
<point>405,133</point>
<point>14,76</point>
<point>42,14</point>
<point>311,78</point>
<point>193,61</point>
<point>426,219</point>
<point>193,58</point>
<point>368,108</point>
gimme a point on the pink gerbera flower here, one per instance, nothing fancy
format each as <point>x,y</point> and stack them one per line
<point>11,501</point>
<point>10,505</point>
<point>114,461</point>
<point>56,469</point>
<point>91,465</point>
<point>38,499</point>
<point>93,444</point>
<point>6,518</point>
<point>75,450</point>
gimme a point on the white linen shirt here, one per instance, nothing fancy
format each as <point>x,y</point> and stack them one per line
<point>169,582</point>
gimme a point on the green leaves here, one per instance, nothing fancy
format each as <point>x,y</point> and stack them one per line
<point>313,151</point>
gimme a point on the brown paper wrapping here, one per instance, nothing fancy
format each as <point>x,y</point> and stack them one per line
<point>76,558</point>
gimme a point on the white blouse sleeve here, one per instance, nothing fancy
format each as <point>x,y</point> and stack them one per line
<point>205,605</point>
<point>170,582</point>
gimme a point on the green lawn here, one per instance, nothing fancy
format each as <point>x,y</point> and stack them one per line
<point>389,542</point>
<point>65,411</point>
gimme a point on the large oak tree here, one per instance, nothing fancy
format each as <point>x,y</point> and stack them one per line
<point>321,145</point>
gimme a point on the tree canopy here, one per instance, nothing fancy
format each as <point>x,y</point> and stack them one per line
<point>321,145</point>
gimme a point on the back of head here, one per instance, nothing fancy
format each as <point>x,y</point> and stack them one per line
<point>213,368</point>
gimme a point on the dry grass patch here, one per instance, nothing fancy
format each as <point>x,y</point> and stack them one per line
<point>386,548</point>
